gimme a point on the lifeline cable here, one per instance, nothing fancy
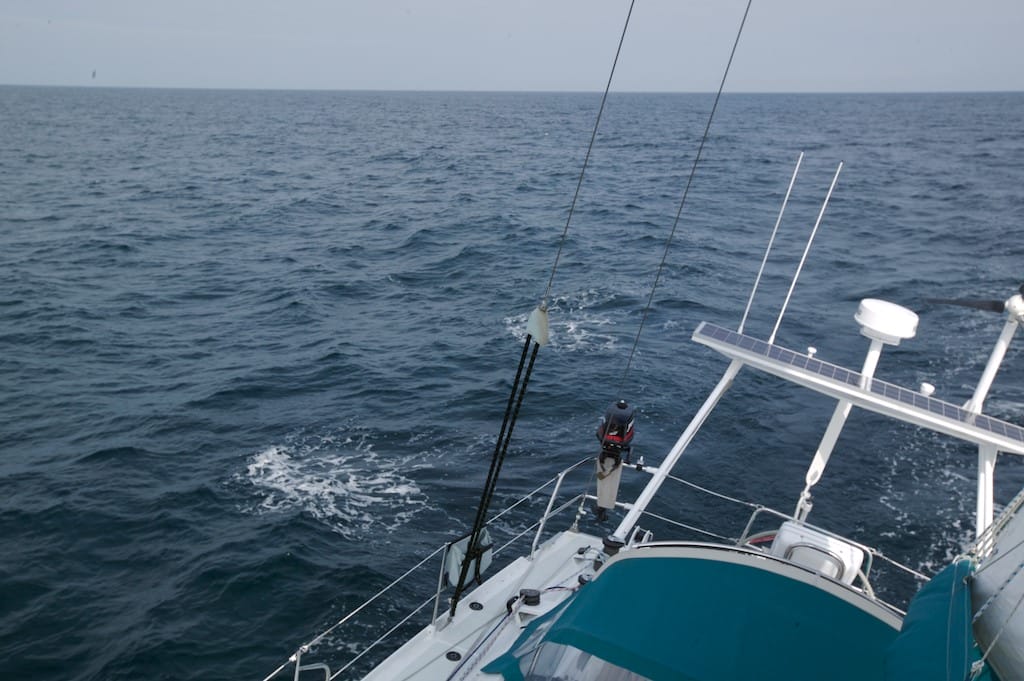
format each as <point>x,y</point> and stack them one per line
<point>682,201</point>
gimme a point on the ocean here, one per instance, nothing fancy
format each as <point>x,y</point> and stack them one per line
<point>255,346</point>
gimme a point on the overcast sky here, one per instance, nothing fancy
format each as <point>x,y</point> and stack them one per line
<point>673,45</point>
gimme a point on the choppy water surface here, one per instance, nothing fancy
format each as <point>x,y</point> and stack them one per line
<point>255,346</point>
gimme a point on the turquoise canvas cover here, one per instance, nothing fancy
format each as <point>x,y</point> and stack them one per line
<point>690,619</point>
<point>936,642</point>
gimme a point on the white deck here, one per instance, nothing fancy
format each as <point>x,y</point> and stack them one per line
<point>557,563</point>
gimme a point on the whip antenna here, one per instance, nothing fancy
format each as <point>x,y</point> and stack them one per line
<point>771,242</point>
<point>807,249</point>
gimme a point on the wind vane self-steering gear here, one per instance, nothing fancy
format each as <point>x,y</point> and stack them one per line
<point>615,431</point>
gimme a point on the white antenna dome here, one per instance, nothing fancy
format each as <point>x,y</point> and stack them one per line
<point>884,321</point>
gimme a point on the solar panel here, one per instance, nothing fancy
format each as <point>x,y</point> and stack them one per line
<point>888,391</point>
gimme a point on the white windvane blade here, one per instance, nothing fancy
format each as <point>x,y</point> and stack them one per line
<point>537,325</point>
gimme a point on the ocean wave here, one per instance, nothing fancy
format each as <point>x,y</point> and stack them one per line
<point>193,308</point>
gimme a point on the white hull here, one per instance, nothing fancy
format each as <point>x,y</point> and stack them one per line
<point>998,591</point>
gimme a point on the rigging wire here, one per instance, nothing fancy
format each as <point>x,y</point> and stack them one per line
<point>1003,627</point>
<point>989,562</point>
<point>474,549</point>
<point>682,201</point>
<point>586,158</point>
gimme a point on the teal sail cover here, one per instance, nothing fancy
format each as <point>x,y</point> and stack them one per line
<point>936,642</point>
<point>695,619</point>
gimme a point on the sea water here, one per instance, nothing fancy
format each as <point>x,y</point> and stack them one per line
<point>255,347</point>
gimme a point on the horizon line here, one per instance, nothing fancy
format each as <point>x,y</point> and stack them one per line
<point>92,86</point>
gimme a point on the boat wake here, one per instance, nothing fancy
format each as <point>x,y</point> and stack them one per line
<point>933,508</point>
<point>582,321</point>
<point>338,479</point>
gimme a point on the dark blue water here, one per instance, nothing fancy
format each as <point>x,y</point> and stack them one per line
<point>255,346</point>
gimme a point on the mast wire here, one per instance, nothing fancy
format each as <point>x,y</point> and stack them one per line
<point>682,201</point>
<point>586,159</point>
<point>474,550</point>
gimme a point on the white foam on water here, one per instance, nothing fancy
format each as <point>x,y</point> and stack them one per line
<point>341,480</point>
<point>926,485</point>
<point>574,326</point>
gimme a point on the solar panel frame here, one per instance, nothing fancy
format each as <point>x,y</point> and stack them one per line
<point>891,391</point>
